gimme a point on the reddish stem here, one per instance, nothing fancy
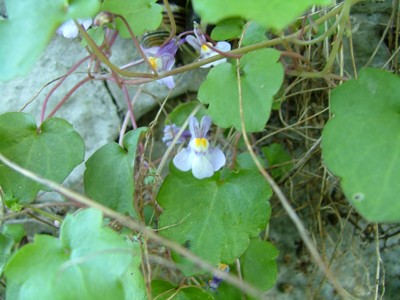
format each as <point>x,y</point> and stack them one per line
<point>46,100</point>
<point>77,86</point>
<point>137,44</point>
<point>128,102</point>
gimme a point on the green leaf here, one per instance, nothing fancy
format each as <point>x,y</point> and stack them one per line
<point>6,244</point>
<point>30,26</point>
<point>16,231</point>
<point>278,160</point>
<point>245,161</point>
<point>53,152</point>
<point>361,143</point>
<point>181,112</point>
<point>227,29</point>
<point>197,213</point>
<point>12,202</point>
<point>261,78</point>
<point>108,178</point>
<point>10,235</point>
<point>253,33</point>
<point>141,15</point>
<point>259,265</point>
<point>163,290</point>
<point>272,14</point>
<point>88,261</point>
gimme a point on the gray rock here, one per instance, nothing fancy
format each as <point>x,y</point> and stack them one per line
<point>368,20</point>
<point>153,93</point>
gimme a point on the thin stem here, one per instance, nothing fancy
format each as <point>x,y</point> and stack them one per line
<point>128,114</point>
<point>379,262</point>
<point>378,46</point>
<point>100,55</point>
<point>73,90</point>
<point>171,20</point>
<point>44,213</point>
<point>224,54</point>
<point>46,100</point>
<point>338,42</point>
<point>129,104</point>
<point>137,44</point>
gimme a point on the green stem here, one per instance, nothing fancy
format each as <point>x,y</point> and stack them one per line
<point>338,42</point>
<point>171,20</point>
<point>103,58</point>
<point>44,213</point>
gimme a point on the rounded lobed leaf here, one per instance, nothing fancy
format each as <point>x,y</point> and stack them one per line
<point>87,262</point>
<point>361,143</point>
<point>141,15</point>
<point>261,78</point>
<point>214,218</point>
<point>259,265</point>
<point>53,152</point>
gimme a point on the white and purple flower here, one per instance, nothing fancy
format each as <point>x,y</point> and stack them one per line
<point>163,59</point>
<point>70,31</point>
<point>200,44</point>
<point>202,159</point>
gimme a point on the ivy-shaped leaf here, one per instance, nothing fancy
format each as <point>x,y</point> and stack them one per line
<point>197,213</point>
<point>29,27</point>
<point>261,78</point>
<point>51,151</point>
<point>88,261</point>
<point>258,267</point>
<point>108,178</point>
<point>272,14</point>
<point>141,15</point>
<point>361,143</point>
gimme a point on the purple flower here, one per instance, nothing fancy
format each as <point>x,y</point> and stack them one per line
<point>70,31</point>
<point>216,281</point>
<point>171,131</point>
<point>200,44</point>
<point>163,59</point>
<point>202,159</point>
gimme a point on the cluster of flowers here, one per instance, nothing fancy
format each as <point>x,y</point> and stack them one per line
<point>162,58</point>
<point>199,156</point>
